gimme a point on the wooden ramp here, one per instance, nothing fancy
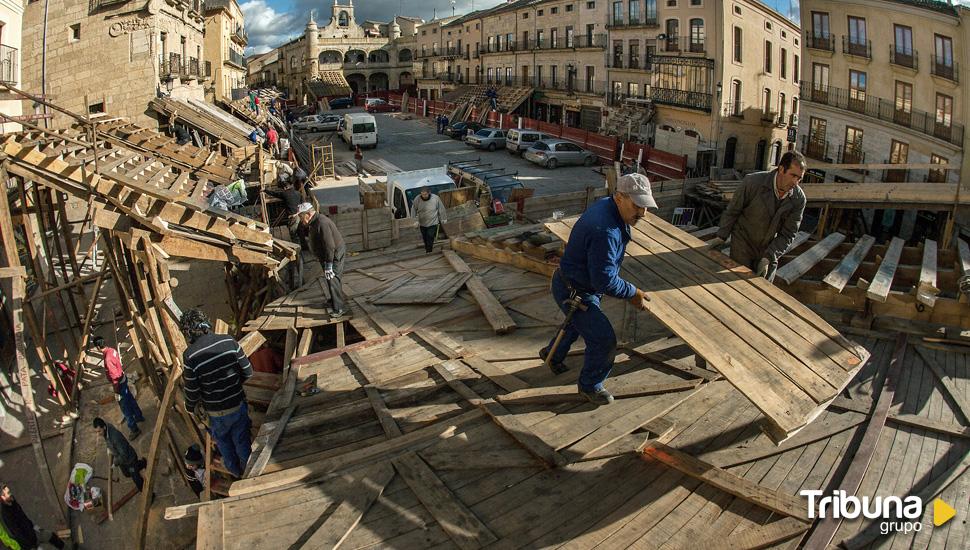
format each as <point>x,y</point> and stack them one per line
<point>782,356</point>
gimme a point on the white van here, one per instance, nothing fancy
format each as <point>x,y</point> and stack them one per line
<point>405,186</point>
<point>517,140</point>
<point>359,129</point>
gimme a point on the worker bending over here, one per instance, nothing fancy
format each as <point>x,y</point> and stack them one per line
<point>590,268</point>
<point>763,216</point>
<point>327,244</point>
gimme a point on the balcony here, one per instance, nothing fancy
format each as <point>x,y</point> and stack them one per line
<point>635,22</point>
<point>682,44</point>
<point>8,65</point>
<point>240,37</point>
<point>815,148</point>
<point>884,110</point>
<point>560,43</point>
<point>629,63</point>
<point>681,98</point>
<point>856,48</point>
<point>945,68</point>
<point>169,66</point>
<point>904,58</point>
<point>237,59</point>
<point>768,118</point>
<point>851,153</point>
<point>819,41</point>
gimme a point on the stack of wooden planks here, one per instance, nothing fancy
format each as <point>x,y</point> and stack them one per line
<point>221,128</point>
<point>530,247</point>
<point>782,356</point>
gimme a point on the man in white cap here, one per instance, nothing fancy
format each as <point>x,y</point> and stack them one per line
<point>590,268</point>
<point>324,240</point>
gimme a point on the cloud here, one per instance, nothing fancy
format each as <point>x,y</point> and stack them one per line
<point>268,28</point>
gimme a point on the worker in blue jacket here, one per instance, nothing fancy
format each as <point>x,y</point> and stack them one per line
<point>590,267</point>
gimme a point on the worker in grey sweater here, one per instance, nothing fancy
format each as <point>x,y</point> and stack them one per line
<point>323,238</point>
<point>430,212</point>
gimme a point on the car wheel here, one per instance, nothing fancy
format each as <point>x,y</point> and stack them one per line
<point>552,163</point>
<point>588,161</point>
<point>491,147</point>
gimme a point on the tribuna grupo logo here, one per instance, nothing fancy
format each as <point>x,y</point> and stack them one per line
<point>899,514</point>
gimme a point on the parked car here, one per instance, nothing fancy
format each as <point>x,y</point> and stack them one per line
<point>554,152</point>
<point>520,139</point>
<point>341,103</point>
<point>377,105</point>
<point>317,123</point>
<point>487,138</point>
<point>459,130</point>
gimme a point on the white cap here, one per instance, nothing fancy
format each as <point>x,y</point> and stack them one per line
<point>304,207</point>
<point>637,187</point>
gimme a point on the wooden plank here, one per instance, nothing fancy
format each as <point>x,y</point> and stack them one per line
<point>375,315</point>
<point>478,459</point>
<point>261,457</point>
<point>826,528</point>
<point>383,414</point>
<point>306,339</point>
<point>807,260</point>
<point>762,536</point>
<point>938,426</point>
<point>211,527</point>
<point>738,486</point>
<point>337,527</point>
<point>566,394</point>
<point>461,525</point>
<point>926,289</point>
<point>964,265</point>
<point>840,276</point>
<point>949,384</point>
<point>251,342</point>
<point>494,312</point>
<point>879,287</point>
<point>523,435</point>
<point>495,373</point>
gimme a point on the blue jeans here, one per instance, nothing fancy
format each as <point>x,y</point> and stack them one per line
<point>232,437</point>
<point>597,332</point>
<point>129,407</point>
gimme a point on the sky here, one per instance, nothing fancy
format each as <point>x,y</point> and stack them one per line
<point>273,22</point>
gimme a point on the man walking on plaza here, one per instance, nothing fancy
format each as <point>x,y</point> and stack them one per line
<point>119,382</point>
<point>19,527</point>
<point>590,269</point>
<point>323,238</point>
<point>764,215</point>
<point>215,370</point>
<point>430,212</point>
<point>122,453</point>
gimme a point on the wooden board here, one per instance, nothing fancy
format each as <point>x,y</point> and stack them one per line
<point>337,527</point>
<point>422,290</point>
<point>879,287</point>
<point>840,276</point>
<point>926,289</point>
<point>806,260</point>
<point>494,312</point>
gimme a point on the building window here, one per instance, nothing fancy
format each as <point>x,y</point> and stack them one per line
<point>794,106</point>
<point>538,14</point>
<point>554,75</point>
<point>590,78</point>
<point>74,32</point>
<point>569,37</point>
<point>618,13</point>
<point>696,2</point>
<point>782,105</point>
<point>569,7</point>
<point>673,30</point>
<point>671,3</point>
<point>852,147</point>
<point>95,108</point>
<point>795,77</point>
<point>617,54</point>
<point>738,44</point>
<point>937,176</point>
<point>820,25</point>
<point>857,91</point>
<point>820,82</point>
<point>767,25</point>
<point>898,154</point>
<point>944,116</point>
<point>633,89</point>
<point>554,11</point>
<point>634,54</point>
<point>508,76</point>
<point>767,56</point>
<point>904,101</point>
<point>766,105</point>
<point>783,70</point>
<point>815,148</point>
<point>943,49</point>
<point>697,35</point>
<point>784,34</point>
<point>554,38</point>
<point>736,107</point>
<point>525,15</point>
<point>540,38</point>
<point>509,42</point>
<point>591,5</point>
<point>737,10</point>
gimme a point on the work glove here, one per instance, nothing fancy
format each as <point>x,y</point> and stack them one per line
<point>639,300</point>
<point>762,270</point>
<point>715,243</point>
<point>328,273</point>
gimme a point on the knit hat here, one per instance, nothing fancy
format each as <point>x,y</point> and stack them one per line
<point>193,455</point>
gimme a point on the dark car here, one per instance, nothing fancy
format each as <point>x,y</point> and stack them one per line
<point>376,105</point>
<point>341,103</point>
<point>459,130</point>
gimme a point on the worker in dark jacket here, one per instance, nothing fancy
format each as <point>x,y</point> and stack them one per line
<point>124,455</point>
<point>19,527</point>
<point>215,370</point>
<point>590,268</point>
<point>291,199</point>
<point>326,243</point>
<point>764,215</point>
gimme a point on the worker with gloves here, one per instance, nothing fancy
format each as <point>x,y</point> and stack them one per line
<point>764,215</point>
<point>590,268</point>
<point>323,238</point>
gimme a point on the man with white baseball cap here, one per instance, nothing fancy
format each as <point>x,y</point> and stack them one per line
<point>327,244</point>
<point>590,268</point>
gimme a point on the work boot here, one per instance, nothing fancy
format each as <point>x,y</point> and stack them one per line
<point>597,397</point>
<point>134,433</point>
<point>337,314</point>
<point>557,368</point>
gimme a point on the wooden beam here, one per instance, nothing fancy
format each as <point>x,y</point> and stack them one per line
<point>338,526</point>
<point>251,342</point>
<point>826,528</point>
<point>494,311</point>
<point>806,260</point>
<point>926,289</point>
<point>761,536</point>
<point>461,525</point>
<point>883,281</point>
<point>949,384</point>
<point>566,394</point>
<point>840,276</point>
<point>266,443</point>
<point>931,425</point>
<point>391,428</point>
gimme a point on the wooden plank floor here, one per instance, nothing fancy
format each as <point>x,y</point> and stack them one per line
<point>620,500</point>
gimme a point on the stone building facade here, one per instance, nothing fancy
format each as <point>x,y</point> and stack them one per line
<point>11,22</point>
<point>113,56</point>
<point>881,83</point>
<point>225,44</point>
<point>372,56</point>
<point>263,70</point>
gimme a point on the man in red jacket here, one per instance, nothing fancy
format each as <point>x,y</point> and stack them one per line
<point>119,382</point>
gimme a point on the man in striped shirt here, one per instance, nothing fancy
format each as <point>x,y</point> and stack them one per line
<point>215,369</point>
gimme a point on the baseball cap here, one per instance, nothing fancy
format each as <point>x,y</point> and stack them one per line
<point>304,207</point>
<point>637,187</point>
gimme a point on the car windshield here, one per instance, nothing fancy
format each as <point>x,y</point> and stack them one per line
<point>483,133</point>
<point>540,146</point>
<point>363,127</point>
<point>435,189</point>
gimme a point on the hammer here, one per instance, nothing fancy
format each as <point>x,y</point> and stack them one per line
<point>572,304</point>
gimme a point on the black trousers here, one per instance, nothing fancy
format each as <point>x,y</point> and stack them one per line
<point>428,235</point>
<point>133,472</point>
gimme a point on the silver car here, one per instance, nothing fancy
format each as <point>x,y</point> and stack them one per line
<point>487,138</point>
<point>317,123</point>
<point>555,152</point>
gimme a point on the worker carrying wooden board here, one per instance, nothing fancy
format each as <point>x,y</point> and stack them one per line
<point>590,269</point>
<point>764,215</point>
